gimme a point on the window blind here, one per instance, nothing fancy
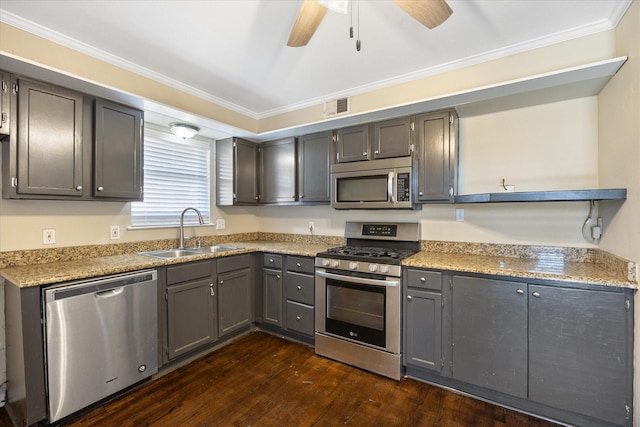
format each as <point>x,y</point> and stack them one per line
<point>176,176</point>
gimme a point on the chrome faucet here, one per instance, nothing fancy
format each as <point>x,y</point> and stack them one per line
<point>200,220</point>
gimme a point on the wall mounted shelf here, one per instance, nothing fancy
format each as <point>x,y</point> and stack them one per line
<point>545,196</point>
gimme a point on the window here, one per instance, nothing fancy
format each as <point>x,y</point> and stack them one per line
<point>176,176</point>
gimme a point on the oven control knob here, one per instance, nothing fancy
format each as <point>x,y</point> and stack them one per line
<point>335,263</point>
<point>325,262</point>
<point>384,269</point>
<point>373,268</point>
<point>353,265</point>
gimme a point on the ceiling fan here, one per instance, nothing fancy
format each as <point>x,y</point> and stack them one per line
<point>429,13</point>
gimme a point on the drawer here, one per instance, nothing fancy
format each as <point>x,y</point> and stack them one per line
<point>300,264</point>
<point>272,261</point>
<point>189,271</point>
<point>300,318</point>
<point>231,263</point>
<point>299,287</point>
<point>424,279</point>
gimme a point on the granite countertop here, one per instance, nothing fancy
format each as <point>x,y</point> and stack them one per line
<point>551,268</point>
<point>64,271</point>
<point>547,268</point>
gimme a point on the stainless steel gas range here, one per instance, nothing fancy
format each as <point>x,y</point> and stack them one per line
<point>358,308</point>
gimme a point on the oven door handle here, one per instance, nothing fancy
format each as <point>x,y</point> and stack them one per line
<point>358,280</point>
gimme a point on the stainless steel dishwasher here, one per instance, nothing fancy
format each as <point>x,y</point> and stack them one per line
<point>101,337</point>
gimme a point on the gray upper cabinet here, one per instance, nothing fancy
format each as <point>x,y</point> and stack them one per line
<point>580,352</point>
<point>436,143</point>
<point>392,138</point>
<point>117,152</point>
<point>48,145</point>
<point>489,334</point>
<point>237,172</point>
<point>278,171</point>
<point>5,102</point>
<point>313,167</point>
<point>352,144</point>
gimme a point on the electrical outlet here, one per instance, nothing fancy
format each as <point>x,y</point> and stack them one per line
<point>49,236</point>
<point>459,214</point>
<point>220,224</point>
<point>312,227</point>
<point>115,232</point>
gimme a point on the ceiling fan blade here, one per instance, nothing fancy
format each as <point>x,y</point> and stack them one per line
<point>309,17</point>
<point>429,13</point>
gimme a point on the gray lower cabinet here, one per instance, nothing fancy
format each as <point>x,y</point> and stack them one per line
<point>436,144</point>
<point>580,355</point>
<point>117,151</point>
<point>234,283</point>
<point>272,281</point>
<point>489,334</point>
<point>237,172</point>
<point>313,168</point>
<point>563,352</point>
<point>422,320</point>
<point>190,307</point>
<point>278,171</point>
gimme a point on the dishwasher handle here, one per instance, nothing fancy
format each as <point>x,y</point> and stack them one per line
<point>109,292</point>
<point>102,287</point>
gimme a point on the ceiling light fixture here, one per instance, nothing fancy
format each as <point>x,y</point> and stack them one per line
<point>183,130</point>
<point>336,5</point>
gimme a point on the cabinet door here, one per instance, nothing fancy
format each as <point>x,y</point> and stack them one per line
<point>580,352</point>
<point>5,96</point>
<point>392,138</point>
<point>423,329</point>
<point>117,152</point>
<point>234,300</point>
<point>314,167</point>
<point>49,156</point>
<point>246,172</point>
<point>278,171</point>
<point>436,159</point>
<point>489,334</point>
<point>272,295</point>
<point>191,316</point>
<point>352,144</point>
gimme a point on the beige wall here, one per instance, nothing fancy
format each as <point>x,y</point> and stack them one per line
<point>619,158</point>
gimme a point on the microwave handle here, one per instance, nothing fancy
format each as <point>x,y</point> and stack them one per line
<point>390,188</point>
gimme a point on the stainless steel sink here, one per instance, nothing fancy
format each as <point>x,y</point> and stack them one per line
<point>181,253</point>
<point>213,249</point>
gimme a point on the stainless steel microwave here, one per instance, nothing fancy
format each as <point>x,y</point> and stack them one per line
<point>373,184</point>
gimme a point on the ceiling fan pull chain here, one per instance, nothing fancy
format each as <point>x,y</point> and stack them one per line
<point>351,20</point>
<point>358,43</point>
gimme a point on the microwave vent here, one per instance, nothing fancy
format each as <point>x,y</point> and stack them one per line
<point>336,106</point>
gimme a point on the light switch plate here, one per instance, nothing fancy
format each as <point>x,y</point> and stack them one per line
<point>220,224</point>
<point>459,214</point>
<point>49,236</point>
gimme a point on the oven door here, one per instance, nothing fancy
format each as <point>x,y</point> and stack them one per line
<point>360,309</point>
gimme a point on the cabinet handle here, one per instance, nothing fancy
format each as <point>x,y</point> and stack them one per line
<point>100,188</point>
<point>364,154</point>
<point>271,260</point>
<point>409,297</point>
<point>519,292</point>
<point>277,276</point>
<point>222,282</point>
<point>536,294</point>
<point>301,196</point>
<point>298,264</point>
<point>420,193</point>
<point>423,280</point>
<point>79,188</point>
<point>298,318</point>
<point>213,293</point>
<point>299,287</point>
<point>256,197</point>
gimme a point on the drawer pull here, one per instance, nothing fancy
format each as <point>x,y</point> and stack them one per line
<point>278,276</point>
<point>519,292</point>
<point>271,260</point>
<point>423,280</point>
<point>299,287</point>
<point>298,318</point>
<point>536,294</point>
<point>409,297</point>
<point>298,265</point>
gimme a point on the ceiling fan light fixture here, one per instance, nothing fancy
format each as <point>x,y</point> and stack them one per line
<point>183,130</point>
<point>336,5</point>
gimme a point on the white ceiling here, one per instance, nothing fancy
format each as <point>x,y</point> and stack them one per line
<point>234,53</point>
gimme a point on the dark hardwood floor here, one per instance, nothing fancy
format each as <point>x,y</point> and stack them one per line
<point>263,380</point>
